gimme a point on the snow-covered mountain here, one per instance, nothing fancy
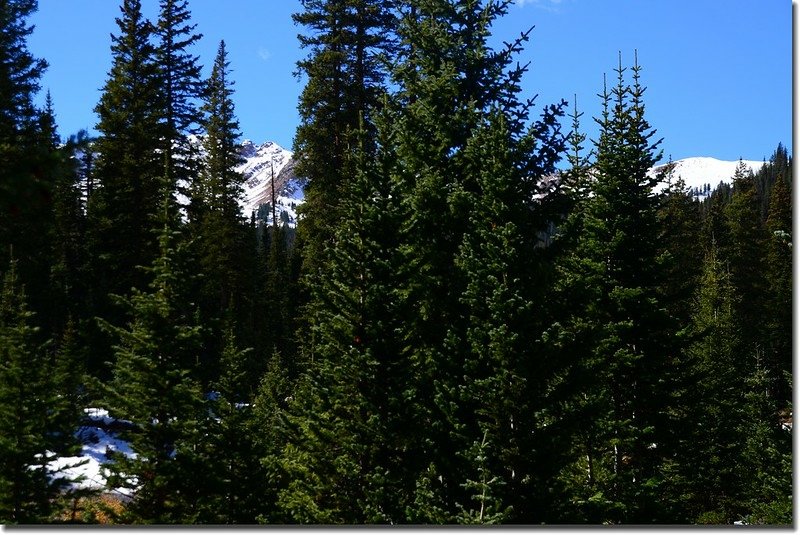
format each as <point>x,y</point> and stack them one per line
<point>262,163</point>
<point>701,171</point>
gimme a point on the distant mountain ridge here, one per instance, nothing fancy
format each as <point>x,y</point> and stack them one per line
<point>697,172</point>
<point>263,160</point>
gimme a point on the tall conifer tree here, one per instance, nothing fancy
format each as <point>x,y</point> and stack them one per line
<point>27,166</point>
<point>351,454</point>
<point>181,88</point>
<point>620,333</point>
<point>33,418</point>
<point>216,222</point>
<point>153,386</point>
<point>347,42</point>
<point>124,205</point>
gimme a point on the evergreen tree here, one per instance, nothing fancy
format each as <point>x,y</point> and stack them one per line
<point>617,340</point>
<point>216,222</point>
<point>499,386</point>
<point>347,41</point>
<point>350,434</point>
<point>32,415</point>
<point>180,89</point>
<point>778,360</point>
<point>124,204</point>
<point>68,276</point>
<point>153,387</point>
<point>714,230</point>
<point>746,255</point>
<point>779,166</point>
<point>767,456</point>
<point>279,321</point>
<point>19,77</point>
<point>710,473</point>
<point>26,165</point>
<point>230,477</point>
<point>679,220</point>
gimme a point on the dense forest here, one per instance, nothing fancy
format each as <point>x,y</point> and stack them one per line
<point>482,316</point>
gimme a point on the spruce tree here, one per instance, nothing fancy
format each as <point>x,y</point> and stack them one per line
<point>617,340</point>
<point>448,78</point>
<point>19,76</point>
<point>347,43</point>
<point>153,387</point>
<point>34,421</point>
<point>180,90</point>
<point>779,298</point>
<point>27,166</point>
<point>216,223</point>
<point>350,433</point>
<point>124,204</point>
<point>68,275</point>
<point>679,220</point>
<point>229,477</point>
<point>710,473</point>
<point>746,255</point>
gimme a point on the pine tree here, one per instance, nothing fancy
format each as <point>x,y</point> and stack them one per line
<point>767,456</point>
<point>779,280</point>
<point>679,219</point>
<point>27,167</point>
<point>779,166</point>
<point>347,42</point>
<point>617,341</point>
<point>499,383</point>
<point>746,255</point>
<point>124,205</point>
<point>153,386</point>
<point>350,440</point>
<point>68,275</point>
<point>31,413</point>
<point>180,89</point>
<point>19,77</point>
<point>216,223</point>
<point>710,472</point>
<point>230,476</point>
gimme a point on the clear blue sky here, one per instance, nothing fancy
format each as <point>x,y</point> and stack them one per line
<point>718,72</point>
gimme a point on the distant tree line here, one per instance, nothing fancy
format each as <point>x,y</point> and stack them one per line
<point>482,317</point>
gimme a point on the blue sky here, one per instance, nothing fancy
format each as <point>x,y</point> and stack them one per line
<point>718,72</point>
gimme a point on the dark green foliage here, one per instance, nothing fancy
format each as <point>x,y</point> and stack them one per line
<point>230,479</point>
<point>447,69</point>
<point>457,332</point>
<point>68,276</point>
<point>19,75</point>
<point>34,419</point>
<point>180,87</point>
<point>217,227</point>
<point>745,254</point>
<point>351,449</point>
<point>153,387</point>
<point>679,220</point>
<point>778,167</point>
<point>347,42</point>
<point>27,163</point>
<point>778,361</point>
<point>616,341</point>
<point>710,455</point>
<point>124,205</point>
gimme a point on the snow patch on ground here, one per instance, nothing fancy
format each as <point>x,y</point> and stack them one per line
<point>99,440</point>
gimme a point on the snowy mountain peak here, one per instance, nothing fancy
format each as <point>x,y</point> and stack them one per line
<point>697,172</point>
<point>261,164</point>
